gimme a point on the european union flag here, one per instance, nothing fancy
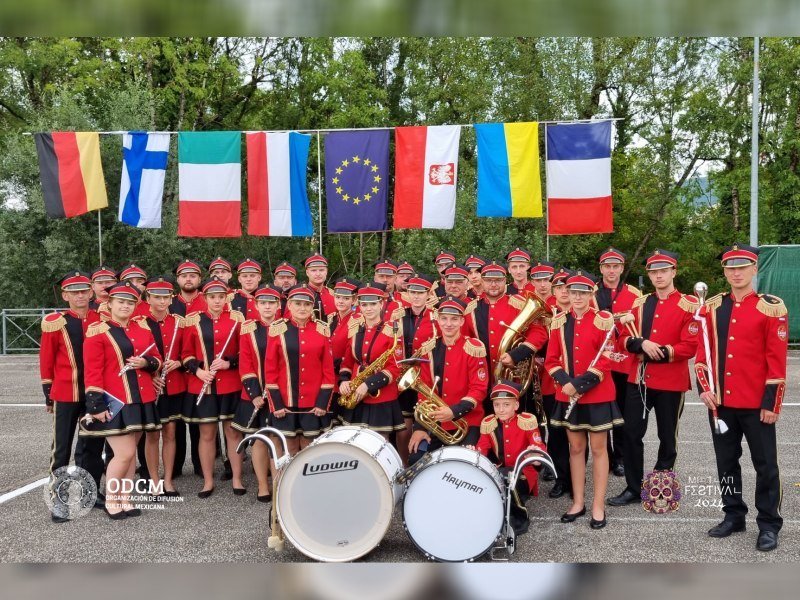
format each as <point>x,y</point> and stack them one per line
<point>356,180</point>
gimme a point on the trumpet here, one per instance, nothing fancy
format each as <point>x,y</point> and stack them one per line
<point>432,402</point>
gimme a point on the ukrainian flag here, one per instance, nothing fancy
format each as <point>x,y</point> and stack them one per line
<point>509,184</point>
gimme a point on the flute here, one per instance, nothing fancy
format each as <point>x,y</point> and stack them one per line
<point>128,367</point>
<point>204,389</point>
<point>169,356</point>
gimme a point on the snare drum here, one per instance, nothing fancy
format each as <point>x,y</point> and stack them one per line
<point>454,508</point>
<point>336,498</point>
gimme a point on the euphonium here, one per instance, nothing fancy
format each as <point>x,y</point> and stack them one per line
<point>432,402</point>
<point>349,401</point>
<point>522,372</point>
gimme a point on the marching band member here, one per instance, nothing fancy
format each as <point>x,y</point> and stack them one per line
<point>111,346</point>
<point>371,335</point>
<point>137,277</point>
<point>748,337</point>
<point>249,275</point>
<point>460,364</point>
<point>404,272</point>
<point>504,436</point>
<point>542,280</point>
<point>253,343</point>
<point>456,282</point>
<point>189,299</point>
<point>417,327</point>
<point>557,444</point>
<point>221,269</point>
<point>386,275</point>
<point>571,366</point>
<point>519,263</point>
<point>665,339</point>
<point>317,273</point>
<point>344,296</point>
<point>210,353</point>
<point>102,278</point>
<point>615,296</point>
<point>298,373</point>
<point>285,278</point>
<point>443,260</point>
<point>167,330</point>
<point>62,375</point>
<point>474,263</point>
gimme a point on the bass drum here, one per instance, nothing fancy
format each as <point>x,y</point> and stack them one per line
<point>454,508</point>
<point>336,498</point>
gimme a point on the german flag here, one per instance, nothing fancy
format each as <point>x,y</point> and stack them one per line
<point>71,173</point>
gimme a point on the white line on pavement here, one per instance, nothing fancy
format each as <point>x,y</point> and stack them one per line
<point>24,489</point>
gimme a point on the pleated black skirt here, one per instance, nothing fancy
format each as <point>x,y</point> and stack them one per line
<point>600,416</point>
<point>132,418</point>
<point>212,408</point>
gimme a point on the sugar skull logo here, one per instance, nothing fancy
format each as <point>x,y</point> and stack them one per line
<point>661,492</point>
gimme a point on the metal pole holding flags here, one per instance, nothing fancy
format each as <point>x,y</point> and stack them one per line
<point>546,203</point>
<point>754,154</point>
<point>100,235</point>
<point>319,189</point>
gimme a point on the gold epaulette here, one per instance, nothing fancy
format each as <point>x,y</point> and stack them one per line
<point>329,318</point>
<point>546,320</point>
<point>516,301</point>
<point>97,329</point>
<point>103,307</point>
<point>772,306</point>
<point>179,321</point>
<point>474,347</point>
<point>398,313</point>
<point>714,302</point>
<point>489,424</point>
<point>688,303</point>
<point>405,297</point>
<point>434,285</point>
<point>388,329</point>
<point>527,421</point>
<point>471,306</point>
<point>354,324</point>
<point>633,289</point>
<point>53,322</point>
<point>432,301</point>
<point>640,300</point>
<point>604,320</point>
<point>237,316</point>
<point>427,346</point>
<point>558,321</point>
<point>249,327</point>
<point>142,321</point>
<point>191,319</point>
<point>323,328</point>
<point>231,296</point>
<point>277,328</point>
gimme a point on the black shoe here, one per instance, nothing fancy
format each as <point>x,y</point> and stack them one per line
<point>100,501</point>
<point>548,476</point>
<point>205,493</point>
<point>264,498</point>
<point>570,517</point>
<point>595,524</point>
<point>116,516</point>
<point>726,528</point>
<point>57,519</point>
<point>239,491</point>
<point>172,494</point>
<point>134,512</point>
<point>618,470</point>
<point>227,474</point>
<point>625,498</point>
<point>559,489</point>
<point>767,540</point>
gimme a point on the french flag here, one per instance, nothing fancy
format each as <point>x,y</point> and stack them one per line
<point>277,198</point>
<point>426,168</point>
<point>579,178</point>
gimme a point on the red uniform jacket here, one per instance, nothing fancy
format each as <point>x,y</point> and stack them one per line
<point>107,347</point>
<point>299,368</point>
<point>366,345</point>
<point>748,344</point>
<point>244,303</point>
<point>485,321</point>
<point>463,376</point>
<point>504,441</point>
<point>180,307</point>
<point>253,343</point>
<point>203,340</point>
<point>163,332</point>
<point>417,329</point>
<point>339,339</point>
<point>572,347</point>
<point>324,303</point>
<point>671,324</point>
<point>61,355</point>
<point>546,383</point>
<point>617,301</point>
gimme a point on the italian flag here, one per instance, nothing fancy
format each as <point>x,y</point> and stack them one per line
<point>210,184</point>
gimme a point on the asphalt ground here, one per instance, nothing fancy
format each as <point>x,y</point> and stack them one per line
<point>229,528</point>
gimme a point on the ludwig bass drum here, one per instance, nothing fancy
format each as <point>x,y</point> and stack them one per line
<point>454,507</point>
<point>336,498</point>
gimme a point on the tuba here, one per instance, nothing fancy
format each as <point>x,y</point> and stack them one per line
<point>521,373</point>
<point>432,401</point>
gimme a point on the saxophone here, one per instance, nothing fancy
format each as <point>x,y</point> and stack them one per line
<point>349,401</point>
<point>424,408</point>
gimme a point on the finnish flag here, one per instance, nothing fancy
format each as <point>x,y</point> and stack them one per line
<point>144,166</point>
